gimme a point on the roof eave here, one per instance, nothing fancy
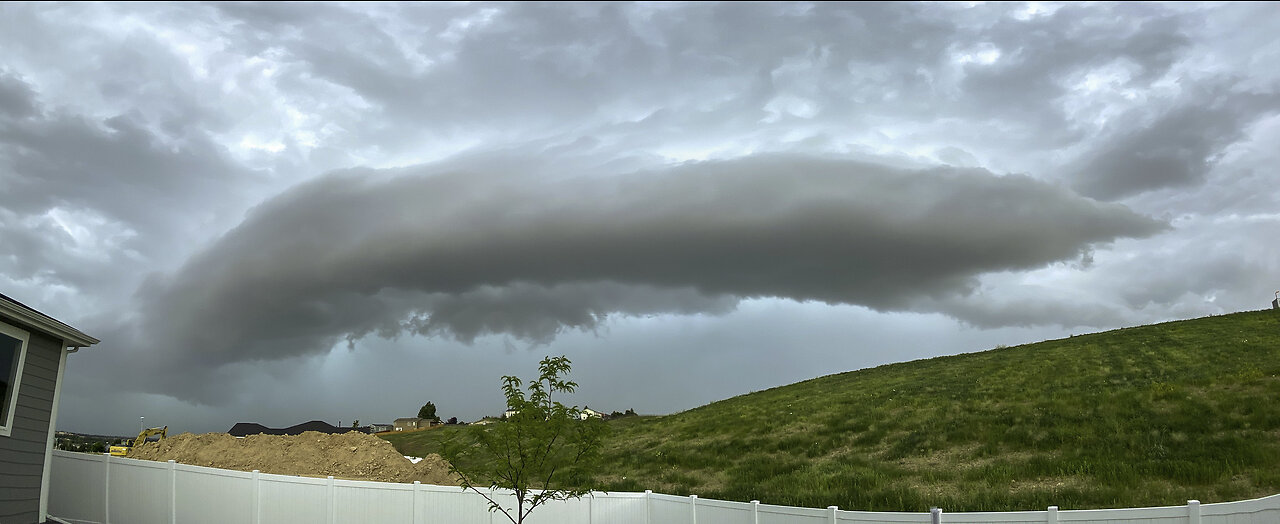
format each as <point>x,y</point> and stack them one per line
<point>70,336</point>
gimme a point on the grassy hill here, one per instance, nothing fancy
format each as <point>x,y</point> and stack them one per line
<point>1151,415</point>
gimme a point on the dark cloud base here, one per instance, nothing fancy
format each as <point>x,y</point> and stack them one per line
<point>465,253</point>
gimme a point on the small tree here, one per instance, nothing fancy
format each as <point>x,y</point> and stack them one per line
<point>427,411</point>
<point>541,440</point>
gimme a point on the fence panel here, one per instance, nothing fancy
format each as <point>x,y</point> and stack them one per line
<point>669,509</point>
<point>1007,517</point>
<point>283,498</point>
<point>560,512</point>
<point>882,517</point>
<point>211,495</point>
<point>723,512</point>
<point>1160,515</point>
<point>617,508</point>
<point>446,505</point>
<point>360,501</point>
<point>140,491</point>
<point>75,485</point>
<point>770,514</point>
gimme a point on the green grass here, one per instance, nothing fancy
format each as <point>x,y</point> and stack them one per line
<point>1145,416</point>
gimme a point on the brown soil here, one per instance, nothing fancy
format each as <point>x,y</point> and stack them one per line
<point>352,455</point>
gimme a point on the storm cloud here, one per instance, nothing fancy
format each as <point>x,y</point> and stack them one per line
<point>465,254</point>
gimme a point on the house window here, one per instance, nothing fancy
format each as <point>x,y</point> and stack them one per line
<point>13,352</point>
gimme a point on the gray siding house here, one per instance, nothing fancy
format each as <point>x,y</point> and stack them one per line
<point>33,356</point>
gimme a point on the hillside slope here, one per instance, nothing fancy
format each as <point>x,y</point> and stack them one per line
<point>1151,415</point>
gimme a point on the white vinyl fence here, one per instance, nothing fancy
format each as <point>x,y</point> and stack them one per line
<point>104,489</point>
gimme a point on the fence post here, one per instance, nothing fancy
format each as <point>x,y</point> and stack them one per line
<point>413,512</point>
<point>693,509</point>
<point>935,515</point>
<point>832,510</point>
<point>255,498</point>
<point>173,492</point>
<point>1193,512</point>
<point>331,515</point>
<point>648,518</point>
<point>1052,516</point>
<point>106,488</point>
<point>755,512</point>
<point>591,514</point>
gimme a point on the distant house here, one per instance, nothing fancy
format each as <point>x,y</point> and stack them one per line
<point>379,428</point>
<point>33,357</point>
<point>408,424</point>
<point>587,413</point>
<point>510,413</point>
<point>244,429</point>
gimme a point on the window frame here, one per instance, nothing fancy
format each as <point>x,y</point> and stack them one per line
<point>24,342</point>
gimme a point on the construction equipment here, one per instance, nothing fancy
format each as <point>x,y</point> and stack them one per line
<point>159,433</point>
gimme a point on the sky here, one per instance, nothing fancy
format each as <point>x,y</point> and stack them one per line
<point>276,213</point>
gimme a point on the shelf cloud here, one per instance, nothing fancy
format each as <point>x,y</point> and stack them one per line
<point>467,253</point>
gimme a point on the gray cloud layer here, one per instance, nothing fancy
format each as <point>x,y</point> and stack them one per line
<point>550,201</point>
<point>1175,148</point>
<point>464,253</point>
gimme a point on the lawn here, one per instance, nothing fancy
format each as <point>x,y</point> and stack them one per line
<point>1143,416</point>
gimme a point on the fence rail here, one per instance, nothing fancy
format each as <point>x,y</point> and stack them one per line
<point>103,489</point>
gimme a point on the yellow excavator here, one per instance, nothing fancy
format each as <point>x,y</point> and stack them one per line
<point>160,433</point>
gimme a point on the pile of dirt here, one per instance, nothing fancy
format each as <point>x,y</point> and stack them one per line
<point>353,455</point>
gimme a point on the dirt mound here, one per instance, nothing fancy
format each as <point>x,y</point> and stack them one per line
<point>353,455</point>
